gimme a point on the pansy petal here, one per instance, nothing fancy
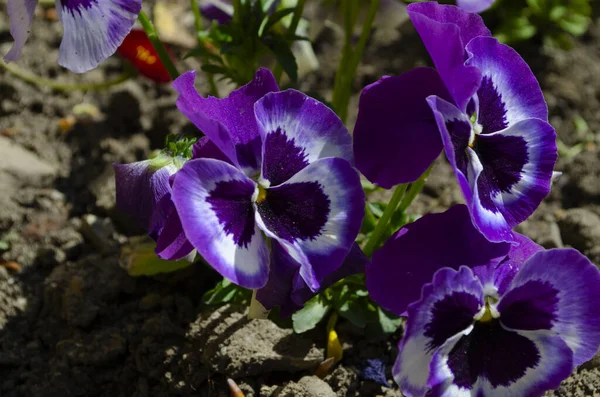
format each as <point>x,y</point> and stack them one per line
<point>409,259</point>
<point>287,289</point>
<point>509,91</point>
<point>228,122</point>
<point>20,14</point>
<point>445,31</point>
<point>297,130</point>
<point>171,242</point>
<point>497,275</point>
<point>517,164</point>
<point>206,149</point>
<point>93,29</point>
<point>395,136</point>
<point>140,187</point>
<point>557,290</point>
<point>315,215</point>
<point>213,200</point>
<point>279,287</point>
<point>455,129</point>
<point>474,5</point>
<point>446,308</point>
<point>493,361</point>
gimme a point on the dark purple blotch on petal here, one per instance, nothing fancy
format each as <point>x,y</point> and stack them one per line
<point>532,306</point>
<point>295,211</point>
<point>282,158</point>
<point>230,202</point>
<point>492,110</point>
<point>77,5</point>
<point>460,133</point>
<point>503,159</point>
<point>450,316</point>
<point>490,351</point>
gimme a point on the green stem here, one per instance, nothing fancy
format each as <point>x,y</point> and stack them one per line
<point>376,235</point>
<point>344,88</point>
<point>158,45</point>
<point>197,16</point>
<point>54,85</point>
<point>414,190</point>
<point>278,70</point>
<point>350,12</point>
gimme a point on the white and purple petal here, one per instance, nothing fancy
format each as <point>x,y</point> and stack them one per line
<point>509,92</point>
<point>228,122</point>
<point>456,131</point>
<point>517,168</point>
<point>498,274</point>
<point>446,309</point>
<point>395,136</point>
<point>316,215</point>
<point>20,14</point>
<point>297,130</point>
<point>474,5</point>
<point>445,31</point>
<point>214,202</point>
<point>557,290</point>
<point>93,30</point>
<point>493,361</point>
<point>410,258</point>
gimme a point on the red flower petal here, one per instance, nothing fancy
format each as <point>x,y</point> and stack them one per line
<point>138,50</point>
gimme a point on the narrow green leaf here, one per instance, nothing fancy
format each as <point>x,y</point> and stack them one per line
<point>310,315</point>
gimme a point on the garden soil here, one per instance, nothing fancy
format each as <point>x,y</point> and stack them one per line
<point>74,323</point>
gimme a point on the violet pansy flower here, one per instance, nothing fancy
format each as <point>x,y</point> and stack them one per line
<point>288,175</point>
<point>143,190</point>
<point>490,113</point>
<point>93,29</point>
<point>514,326</point>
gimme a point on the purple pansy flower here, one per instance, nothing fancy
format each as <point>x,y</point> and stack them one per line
<point>474,5</point>
<point>488,108</point>
<point>514,326</point>
<point>143,190</point>
<point>288,175</point>
<point>93,29</point>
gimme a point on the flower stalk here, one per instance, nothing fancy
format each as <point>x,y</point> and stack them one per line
<point>375,239</point>
<point>278,70</point>
<point>158,45</point>
<point>350,59</point>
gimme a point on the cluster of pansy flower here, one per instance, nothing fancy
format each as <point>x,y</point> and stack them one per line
<point>271,199</point>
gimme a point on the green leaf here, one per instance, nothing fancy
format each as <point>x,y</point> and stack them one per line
<point>359,311</point>
<point>310,315</point>
<point>274,18</point>
<point>226,292</point>
<point>389,322</point>
<point>140,260</point>
<point>202,52</point>
<point>281,49</point>
<point>575,24</point>
<point>4,245</point>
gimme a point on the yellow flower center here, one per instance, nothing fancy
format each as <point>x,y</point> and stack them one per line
<point>262,194</point>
